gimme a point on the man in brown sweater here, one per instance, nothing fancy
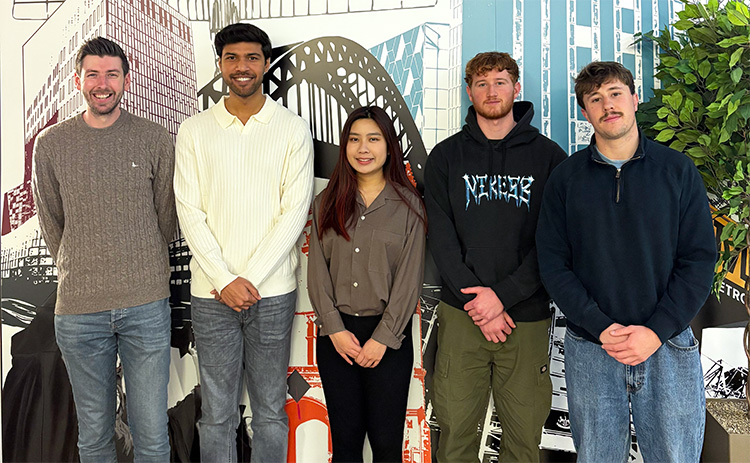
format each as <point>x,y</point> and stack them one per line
<point>103,192</point>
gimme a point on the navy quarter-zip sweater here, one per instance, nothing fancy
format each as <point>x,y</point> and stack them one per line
<point>483,198</point>
<point>634,245</point>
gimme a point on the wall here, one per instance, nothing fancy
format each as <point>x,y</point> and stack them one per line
<point>417,47</point>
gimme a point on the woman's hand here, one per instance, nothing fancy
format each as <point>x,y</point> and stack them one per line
<point>346,345</point>
<point>371,353</point>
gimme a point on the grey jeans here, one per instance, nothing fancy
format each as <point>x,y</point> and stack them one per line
<point>256,342</point>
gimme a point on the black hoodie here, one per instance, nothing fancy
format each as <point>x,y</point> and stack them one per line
<point>483,198</point>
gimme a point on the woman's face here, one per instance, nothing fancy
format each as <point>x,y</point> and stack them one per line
<point>366,148</point>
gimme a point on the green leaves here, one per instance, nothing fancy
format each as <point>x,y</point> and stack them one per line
<point>665,135</point>
<point>704,68</point>
<point>735,57</point>
<point>738,17</point>
<point>703,106</point>
<point>739,40</point>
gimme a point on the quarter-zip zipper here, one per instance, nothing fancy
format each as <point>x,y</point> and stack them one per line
<point>617,191</point>
<point>618,177</point>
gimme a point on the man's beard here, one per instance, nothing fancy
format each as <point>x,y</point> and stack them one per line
<point>244,93</point>
<point>499,112</point>
<point>94,105</point>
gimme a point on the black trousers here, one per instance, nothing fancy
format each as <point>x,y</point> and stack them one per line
<point>369,401</point>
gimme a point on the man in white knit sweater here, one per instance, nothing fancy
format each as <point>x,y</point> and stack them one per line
<point>243,183</point>
<point>103,193</point>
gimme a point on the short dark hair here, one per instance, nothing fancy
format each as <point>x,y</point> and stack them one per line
<point>242,32</point>
<point>595,74</point>
<point>101,47</point>
<point>488,61</point>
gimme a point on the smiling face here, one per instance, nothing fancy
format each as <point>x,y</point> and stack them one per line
<point>242,67</point>
<point>493,93</point>
<point>611,110</point>
<point>102,83</point>
<point>366,148</point>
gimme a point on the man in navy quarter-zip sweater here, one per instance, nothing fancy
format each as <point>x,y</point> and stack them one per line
<point>483,191</point>
<point>627,250</point>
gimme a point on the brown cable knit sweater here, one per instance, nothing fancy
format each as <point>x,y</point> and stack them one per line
<point>106,209</point>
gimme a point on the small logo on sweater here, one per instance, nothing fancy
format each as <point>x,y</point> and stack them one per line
<point>498,187</point>
<point>134,164</point>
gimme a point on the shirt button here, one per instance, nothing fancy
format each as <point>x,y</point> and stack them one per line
<point>355,284</point>
<point>356,315</point>
<point>356,249</point>
<point>363,217</point>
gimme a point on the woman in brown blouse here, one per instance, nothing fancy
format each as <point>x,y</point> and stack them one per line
<point>364,277</point>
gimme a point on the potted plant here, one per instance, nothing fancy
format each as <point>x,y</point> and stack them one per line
<point>703,110</point>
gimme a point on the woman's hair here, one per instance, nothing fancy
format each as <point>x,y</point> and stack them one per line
<point>339,200</point>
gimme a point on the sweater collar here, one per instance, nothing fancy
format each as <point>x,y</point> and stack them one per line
<point>640,152</point>
<point>225,118</point>
<point>121,121</point>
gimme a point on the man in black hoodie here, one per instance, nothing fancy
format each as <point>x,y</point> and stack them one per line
<point>483,190</point>
<point>627,251</point>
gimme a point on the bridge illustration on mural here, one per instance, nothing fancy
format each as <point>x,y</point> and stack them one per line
<point>323,80</point>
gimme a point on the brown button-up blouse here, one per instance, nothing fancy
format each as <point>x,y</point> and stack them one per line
<point>379,271</point>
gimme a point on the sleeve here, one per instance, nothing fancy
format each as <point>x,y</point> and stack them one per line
<point>693,269</point>
<point>407,285</point>
<point>525,281</point>
<point>201,241</point>
<point>521,284</point>
<point>163,187</point>
<point>443,237</point>
<point>296,193</point>
<point>320,284</point>
<point>47,198</point>
<point>556,264</point>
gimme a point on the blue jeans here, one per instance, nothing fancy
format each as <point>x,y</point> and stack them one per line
<point>89,344</point>
<point>257,341</point>
<point>665,392</point>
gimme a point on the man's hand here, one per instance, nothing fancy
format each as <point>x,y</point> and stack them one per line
<point>636,344</point>
<point>371,354</point>
<point>606,336</point>
<point>498,329</point>
<point>346,344</point>
<point>240,294</point>
<point>485,307</point>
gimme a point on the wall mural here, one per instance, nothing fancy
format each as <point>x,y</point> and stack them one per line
<point>330,57</point>
<point>319,75</point>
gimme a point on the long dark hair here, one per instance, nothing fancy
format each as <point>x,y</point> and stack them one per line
<point>339,200</point>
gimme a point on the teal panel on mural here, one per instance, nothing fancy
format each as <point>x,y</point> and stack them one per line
<point>559,37</point>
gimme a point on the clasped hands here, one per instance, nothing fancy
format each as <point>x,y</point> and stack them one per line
<point>629,345</point>
<point>239,295</point>
<point>347,346</point>
<point>488,313</point>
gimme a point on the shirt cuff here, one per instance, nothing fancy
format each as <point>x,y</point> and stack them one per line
<point>384,336</point>
<point>223,281</point>
<point>663,325</point>
<point>330,323</point>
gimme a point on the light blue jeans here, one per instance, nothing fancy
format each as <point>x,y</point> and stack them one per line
<point>89,344</point>
<point>255,341</point>
<point>666,394</point>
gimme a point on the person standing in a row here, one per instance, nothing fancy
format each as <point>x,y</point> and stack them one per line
<point>483,191</point>
<point>103,193</point>
<point>243,182</point>
<point>627,251</point>
<point>365,273</point>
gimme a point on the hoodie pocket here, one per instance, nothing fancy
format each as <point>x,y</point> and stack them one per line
<point>489,265</point>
